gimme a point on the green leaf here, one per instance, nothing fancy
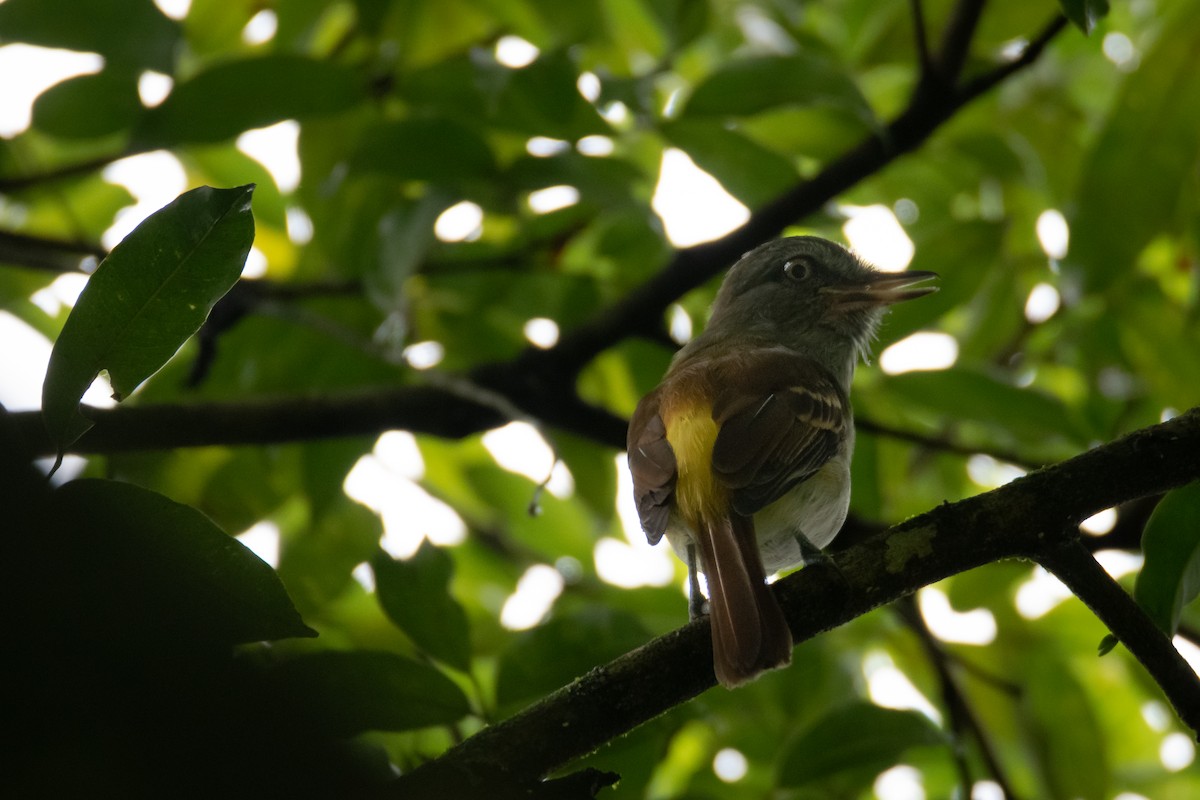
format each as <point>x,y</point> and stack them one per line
<point>1130,186</point>
<point>415,594</point>
<point>604,181</point>
<point>89,106</point>
<point>126,32</point>
<point>430,149</point>
<point>318,564</point>
<point>750,172</point>
<point>1170,578</point>
<point>750,85</point>
<point>963,393</point>
<point>1084,13</point>
<point>542,99</point>
<point>234,96</point>
<point>346,693</point>
<point>594,471</point>
<point>153,291</point>
<point>1063,730</point>
<point>554,654</point>
<point>856,742</point>
<point>165,570</point>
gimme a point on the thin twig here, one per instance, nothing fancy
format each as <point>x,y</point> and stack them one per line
<point>942,444</point>
<point>1071,563</point>
<point>922,40</point>
<point>957,38</point>
<point>45,253</point>
<point>986,81</point>
<point>19,183</point>
<point>962,716</point>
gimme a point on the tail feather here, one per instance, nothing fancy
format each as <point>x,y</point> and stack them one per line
<point>750,634</point>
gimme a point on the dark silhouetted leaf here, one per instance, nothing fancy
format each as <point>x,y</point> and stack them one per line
<point>1084,13</point>
<point>153,291</point>
<point>347,693</point>
<point>554,654</point>
<point>163,569</point>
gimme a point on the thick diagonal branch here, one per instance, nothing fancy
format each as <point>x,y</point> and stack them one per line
<point>1030,518</point>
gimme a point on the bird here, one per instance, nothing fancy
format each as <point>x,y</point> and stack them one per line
<point>741,455</point>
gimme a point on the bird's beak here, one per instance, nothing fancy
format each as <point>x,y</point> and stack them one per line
<point>882,290</point>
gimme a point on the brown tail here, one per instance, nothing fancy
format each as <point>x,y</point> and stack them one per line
<point>750,634</point>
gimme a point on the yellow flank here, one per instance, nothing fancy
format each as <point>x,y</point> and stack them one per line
<point>691,433</point>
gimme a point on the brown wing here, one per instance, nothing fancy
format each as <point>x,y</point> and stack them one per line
<point>781,417</point>
<point>652,462</point>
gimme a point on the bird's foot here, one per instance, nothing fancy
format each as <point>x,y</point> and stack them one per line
<point>816,557</point>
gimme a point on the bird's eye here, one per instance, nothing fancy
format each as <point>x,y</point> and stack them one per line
<point>798,269</point>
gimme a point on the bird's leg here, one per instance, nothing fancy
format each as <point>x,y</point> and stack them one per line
<point>814,555</point>
<point>697,606</point>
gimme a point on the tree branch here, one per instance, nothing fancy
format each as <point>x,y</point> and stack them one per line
<point>431,409</point>
<point>18,183</point>
<point>963,719</point>
<point>956,40</point>
<point>1032,517</point>
<point>921,39</point>
<point>52,255</point>
<point>1072,563</point>
<point>421,409</point>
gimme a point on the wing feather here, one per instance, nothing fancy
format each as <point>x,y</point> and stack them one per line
<point>652,462</point>
<point>781,418</point>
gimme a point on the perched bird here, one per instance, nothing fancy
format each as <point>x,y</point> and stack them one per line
<point>741,455</point>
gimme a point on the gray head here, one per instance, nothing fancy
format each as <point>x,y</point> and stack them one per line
<point>805,291</point>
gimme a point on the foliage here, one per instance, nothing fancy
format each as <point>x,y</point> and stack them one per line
<point>404,111</point>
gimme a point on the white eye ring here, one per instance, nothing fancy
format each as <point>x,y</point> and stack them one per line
<point>798,269</point>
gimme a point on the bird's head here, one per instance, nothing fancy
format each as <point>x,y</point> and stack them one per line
<point>807,291</point>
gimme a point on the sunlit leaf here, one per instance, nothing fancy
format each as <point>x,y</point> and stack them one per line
<point>856,741</point>
<point>89,105</point>
<point>125,32</point>
<point>749,171</point>
<point>251,93</point>
<point>975,395</point>
<point>1064,731</point>
<point>1129,189</point>
<point>1170,578</point>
